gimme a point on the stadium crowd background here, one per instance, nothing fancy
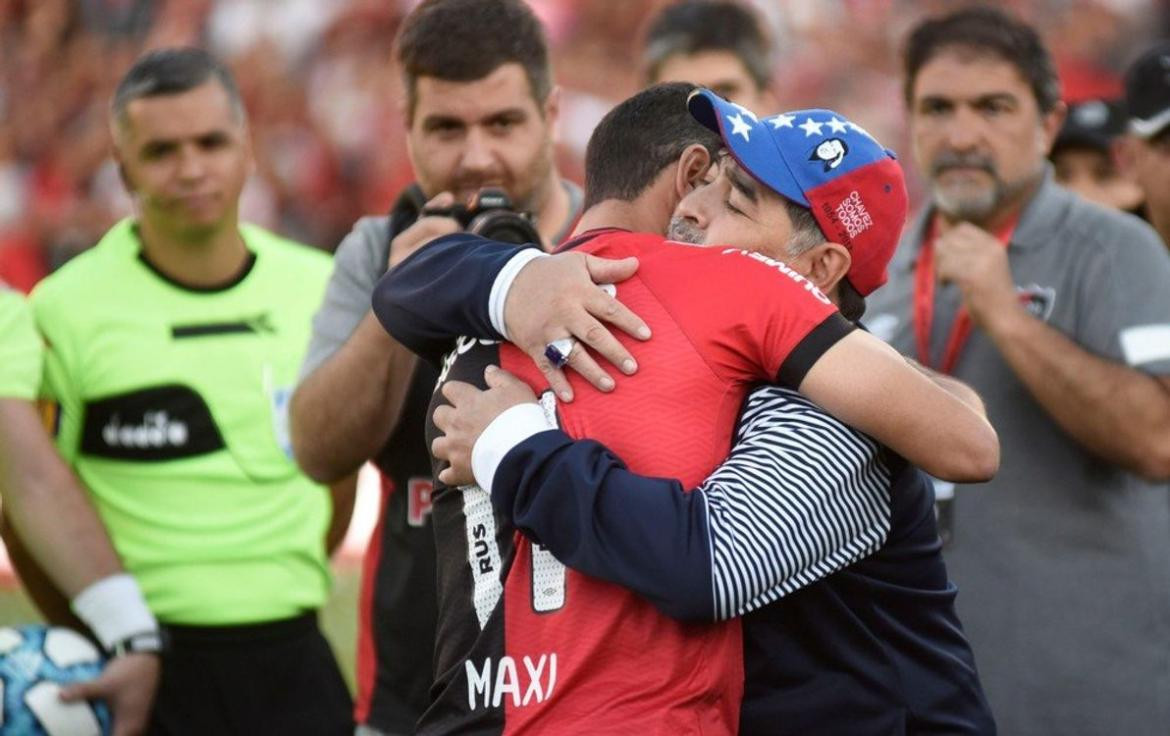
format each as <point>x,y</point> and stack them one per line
<point>322,93</point>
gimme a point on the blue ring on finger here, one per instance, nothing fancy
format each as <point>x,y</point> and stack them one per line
<point>558,351</point>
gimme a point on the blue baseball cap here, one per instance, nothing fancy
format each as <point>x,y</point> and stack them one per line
<point>819,159</point>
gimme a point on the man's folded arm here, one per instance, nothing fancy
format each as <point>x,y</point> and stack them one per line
<point>801,497</point>
<point>445,290</point>
<point>578,500</point>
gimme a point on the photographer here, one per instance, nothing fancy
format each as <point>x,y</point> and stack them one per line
<point>480,111</point>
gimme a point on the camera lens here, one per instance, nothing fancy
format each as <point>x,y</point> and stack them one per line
<point>505,226</point>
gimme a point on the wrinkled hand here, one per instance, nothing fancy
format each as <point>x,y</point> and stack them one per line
<point>469,414</point>
<point>424,230</point>
<point>127,684</point>
<point>977,263</point>
<point>558,296</point>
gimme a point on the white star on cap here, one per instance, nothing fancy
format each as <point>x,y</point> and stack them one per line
<point>739,127</point>
<point>746,111</point>
<point>781,121</point>
<point>836,126</point>
<point>859,129</point>
<point>810,128</point>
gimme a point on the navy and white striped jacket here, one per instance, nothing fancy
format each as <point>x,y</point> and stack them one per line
<point>821,539</point>
<point>824,541</point>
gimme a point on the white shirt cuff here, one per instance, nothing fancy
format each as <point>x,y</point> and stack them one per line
<point>505,432</point>
<point>503,284</point>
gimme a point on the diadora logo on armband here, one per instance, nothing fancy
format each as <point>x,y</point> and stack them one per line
<point>526,681</point>
<point>153,424</point>
<point>783,268</point>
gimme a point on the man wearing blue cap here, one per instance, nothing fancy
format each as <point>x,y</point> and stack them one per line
<point>803,498</point>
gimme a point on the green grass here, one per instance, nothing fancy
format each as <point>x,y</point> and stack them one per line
<point>338,618</point>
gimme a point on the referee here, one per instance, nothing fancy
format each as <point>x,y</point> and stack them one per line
<point>172,348</point>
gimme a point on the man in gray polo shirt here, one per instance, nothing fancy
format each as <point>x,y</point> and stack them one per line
<point>1063,560</point>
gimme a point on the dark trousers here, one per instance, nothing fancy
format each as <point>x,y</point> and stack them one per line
<point>270,678</point>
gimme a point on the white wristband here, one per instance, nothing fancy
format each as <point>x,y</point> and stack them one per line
<point>503,284</point>
<point>505,432</point>
<point>114,609</point>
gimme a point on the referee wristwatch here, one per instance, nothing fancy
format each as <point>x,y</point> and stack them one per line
<point>145,642</point>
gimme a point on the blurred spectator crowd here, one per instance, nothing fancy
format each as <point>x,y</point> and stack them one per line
<point>323,94</point>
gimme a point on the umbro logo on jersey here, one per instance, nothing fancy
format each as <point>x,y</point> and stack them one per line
<point>149,425</point>
<point>783,268</point>
<point>526,681</point>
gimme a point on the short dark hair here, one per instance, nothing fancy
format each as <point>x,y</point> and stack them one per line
<point>985,30</point>
<point>693,26</point>
<point>466,40</point>
<point>640,137</point>
<point>172,71</point>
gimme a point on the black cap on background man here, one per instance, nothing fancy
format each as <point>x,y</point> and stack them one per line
<point>1147,92</point>
<point>1145,155</point>
<point>1084,154</point>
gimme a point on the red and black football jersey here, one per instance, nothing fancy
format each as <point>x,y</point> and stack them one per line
<point>525,645</point>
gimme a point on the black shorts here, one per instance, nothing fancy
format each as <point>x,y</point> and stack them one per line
<point>271,678</point>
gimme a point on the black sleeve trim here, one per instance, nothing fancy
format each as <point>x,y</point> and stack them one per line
<point>809,350</point>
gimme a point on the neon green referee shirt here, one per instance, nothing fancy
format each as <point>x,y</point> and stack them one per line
<point>173,412</point>
<point>20,348</point>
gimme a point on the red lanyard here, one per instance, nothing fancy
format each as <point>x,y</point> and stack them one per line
<point>924,282</point>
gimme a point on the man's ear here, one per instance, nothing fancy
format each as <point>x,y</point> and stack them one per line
<point>125,177</point>
<point>1124,154</point>
<point>249,149</point>
<point>692,165</point>
<point>405,109</point>
<point>552,109</point>
<point>123,174</point>
<point>1050,125</point>
<point>824,265</point>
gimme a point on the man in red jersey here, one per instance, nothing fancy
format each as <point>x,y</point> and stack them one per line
<point>526,645</point>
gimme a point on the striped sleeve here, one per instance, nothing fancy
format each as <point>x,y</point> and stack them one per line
<point>801,497</point>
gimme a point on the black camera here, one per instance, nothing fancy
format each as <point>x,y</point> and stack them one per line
<point>491,215</point>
